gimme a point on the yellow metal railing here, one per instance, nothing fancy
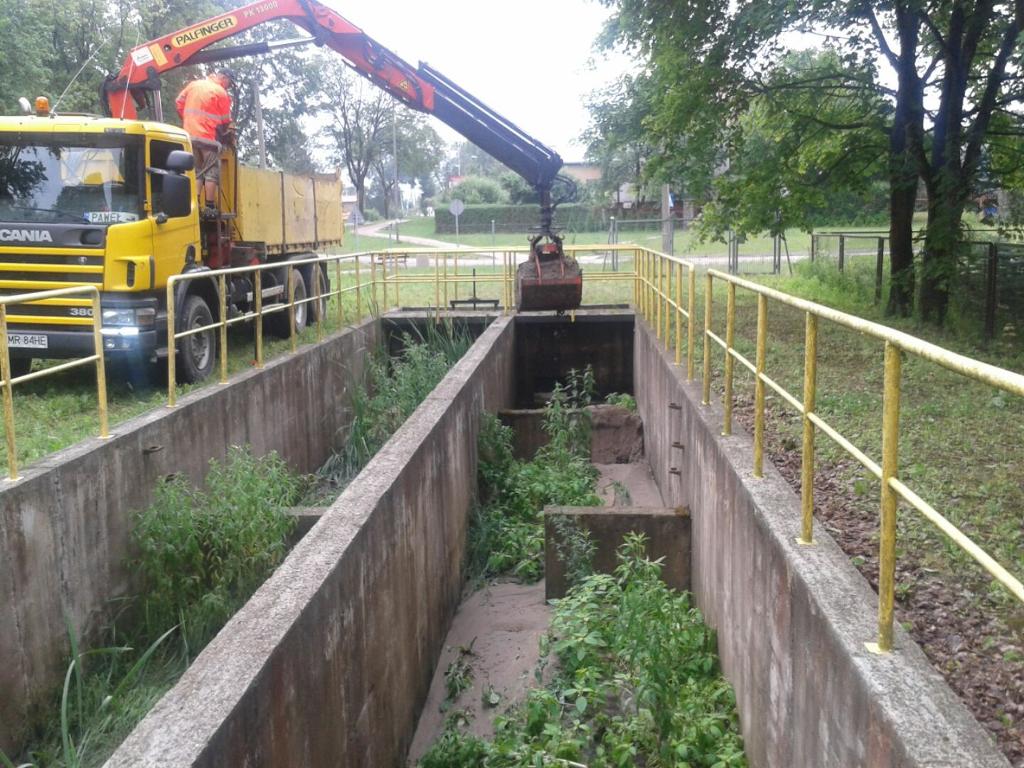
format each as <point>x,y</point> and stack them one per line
<point>9,381</point>
<point>317,301</point>
<point>655,301</point>
<point>378,279</point>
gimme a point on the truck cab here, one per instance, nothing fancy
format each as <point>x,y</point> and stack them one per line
<point>93,201</point>
<point>114,203</point>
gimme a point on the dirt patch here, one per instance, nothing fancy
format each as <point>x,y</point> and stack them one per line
<point>502,625</point>
<point>953,620</point>
<point>628,485</point>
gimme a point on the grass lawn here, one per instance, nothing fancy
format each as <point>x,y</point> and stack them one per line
<point>649,236</point>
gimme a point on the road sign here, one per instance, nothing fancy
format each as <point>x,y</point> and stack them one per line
<point>456,208</point>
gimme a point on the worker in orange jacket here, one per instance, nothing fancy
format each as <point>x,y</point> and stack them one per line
<point>205,109</point>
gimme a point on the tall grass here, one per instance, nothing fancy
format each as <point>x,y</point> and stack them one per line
<point>395,388</point>
<point>201,554</point>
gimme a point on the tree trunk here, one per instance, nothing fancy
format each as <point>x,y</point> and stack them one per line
<point>360,186</point>
<point>901,245</point>
<point>941,249</point>
<point>904,169</point>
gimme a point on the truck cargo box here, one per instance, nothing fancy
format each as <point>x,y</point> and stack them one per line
<point>288,212</point>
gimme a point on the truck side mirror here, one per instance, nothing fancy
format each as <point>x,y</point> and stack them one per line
<point>177,197</point>
<point>180,161</point>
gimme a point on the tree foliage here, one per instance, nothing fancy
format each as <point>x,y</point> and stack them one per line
<point>711,66</point>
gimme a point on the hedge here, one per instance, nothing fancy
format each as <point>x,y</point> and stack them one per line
<point>476,219</point>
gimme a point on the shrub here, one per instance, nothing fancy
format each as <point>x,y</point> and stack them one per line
<point>478,190</point>
<point>476,219</point>
<point>202,553</point>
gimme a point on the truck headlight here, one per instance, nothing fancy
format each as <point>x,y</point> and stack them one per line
<point>118,317</point>
<point>144,317</point>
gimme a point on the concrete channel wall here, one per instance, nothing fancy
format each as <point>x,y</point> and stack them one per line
<point>65,526</point>
<point>792,620</point>
<point>330,662</point>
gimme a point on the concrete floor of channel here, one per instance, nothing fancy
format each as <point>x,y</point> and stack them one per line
<point>503,623</point>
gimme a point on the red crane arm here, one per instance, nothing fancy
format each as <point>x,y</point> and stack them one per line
<point>145,63</point>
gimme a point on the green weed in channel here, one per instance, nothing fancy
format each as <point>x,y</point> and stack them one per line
<point>638,683</point>
<point>202,553</point>
<point>506,534</point>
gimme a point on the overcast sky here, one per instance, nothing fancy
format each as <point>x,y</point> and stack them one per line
<point>527,59</point>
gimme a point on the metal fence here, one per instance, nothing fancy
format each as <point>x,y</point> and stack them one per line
<point>990,275</point>
<point>663,289</point>
<point>59,294</point>
<point>660,302</point>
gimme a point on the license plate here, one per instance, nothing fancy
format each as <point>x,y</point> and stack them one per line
<point>27,340</point>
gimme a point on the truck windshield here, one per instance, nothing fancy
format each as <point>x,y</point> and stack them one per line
<point>53,181</point>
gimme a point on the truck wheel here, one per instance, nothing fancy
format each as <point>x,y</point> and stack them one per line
<point>317,309</point>
<point>197,353</point>
<point>277,323</point>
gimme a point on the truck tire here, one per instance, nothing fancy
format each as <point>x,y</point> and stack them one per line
<point>197,354</point>
<point>277,323</point>
<point>317,309</point>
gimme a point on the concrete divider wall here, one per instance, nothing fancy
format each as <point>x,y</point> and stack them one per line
<point>792,620</point>
<point>65,526</point>
<point>330,662</point>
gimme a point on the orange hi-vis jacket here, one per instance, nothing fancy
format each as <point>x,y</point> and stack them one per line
<point>202,106</point>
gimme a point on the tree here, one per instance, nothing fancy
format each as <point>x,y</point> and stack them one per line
<point>420,152</point>
<point>973,50</point>
<point>708,61</point>
<point>478,190</point>
<point>355,116</point>
<point>617,137</point>
<point>787,165</point>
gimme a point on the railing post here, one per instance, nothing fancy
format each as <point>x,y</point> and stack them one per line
<point>807,455</point>
<point>373,284</point>
<point>341,296</point>
<point>679,314</point>
<point>456,276</point>
<point>359,293</point>
<point>398,281</point>
<point>691,306</point>
<point>5,370</point>
<point>636,280</point>
<point>814,244</point>
<point>258,291</point>
<point>762,343</point>
<point>445,282</point>
<point>437,290</point>
<point>730,331</point>
<point>101,368</point>
<point>642,255</point>
<point>172,389</point>
<point>317,274</point>
<point>659,292</point>
<point>991,290</point>
<point>666,298</point>
<point>292,309</point>
<point>709,289</point>
<point>890,461</point>
<point>879,269</point>
<point>222,301</point>
<point>384,278</point>
<point>842,252</point>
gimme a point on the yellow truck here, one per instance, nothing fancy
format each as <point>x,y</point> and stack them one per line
<point>113,203</point>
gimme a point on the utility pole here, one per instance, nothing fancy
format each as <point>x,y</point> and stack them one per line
<point>394,152</point>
